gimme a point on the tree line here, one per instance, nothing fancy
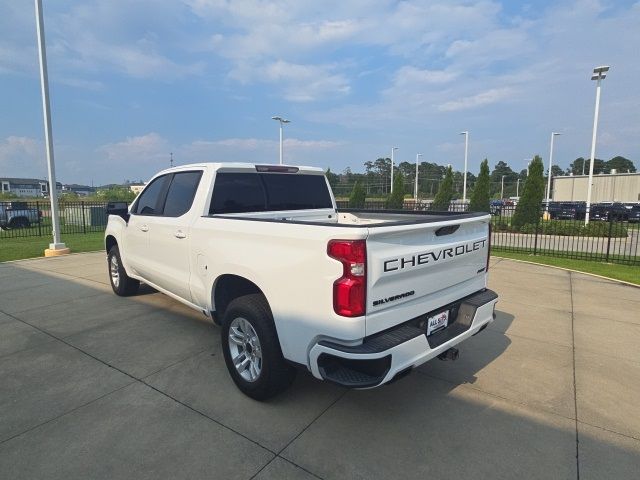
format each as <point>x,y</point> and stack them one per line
<point>503,180</point>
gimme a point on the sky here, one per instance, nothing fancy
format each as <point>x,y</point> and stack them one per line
<point>133,81</point>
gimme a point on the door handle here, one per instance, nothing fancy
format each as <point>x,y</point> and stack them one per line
<point>180,234</point>
<point>144,228</point>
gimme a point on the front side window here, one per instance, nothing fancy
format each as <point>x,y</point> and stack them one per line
<point>181,193</point>
<point>147,203</point>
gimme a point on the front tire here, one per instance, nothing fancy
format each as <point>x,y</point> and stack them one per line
<point>121,283</point>
<point>252,350</point>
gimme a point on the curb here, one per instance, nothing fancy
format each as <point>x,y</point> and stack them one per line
<point>615,280</point>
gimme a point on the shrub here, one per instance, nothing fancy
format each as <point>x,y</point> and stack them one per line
<point>445,192</point>
<point>481,195</point>
<point>358,196</point>
<point>395,200</point>
<point>528,208</point>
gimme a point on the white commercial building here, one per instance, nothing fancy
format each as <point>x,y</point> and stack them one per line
<point>608,187</point>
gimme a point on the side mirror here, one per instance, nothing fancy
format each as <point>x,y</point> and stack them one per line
<point>120,209</point>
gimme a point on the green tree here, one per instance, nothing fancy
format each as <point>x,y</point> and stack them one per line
<point>576,167</point>
<point>528,208</point>
<point>556,171</point>
<point>358,196</point>
<point>333,178</point>
<point>510,178</point>
<point>481,191</point>
<point>7,195</point>
<point>445,192</point>
<point>116,193</point>
<point>395,200</point>
<point>621,164</point>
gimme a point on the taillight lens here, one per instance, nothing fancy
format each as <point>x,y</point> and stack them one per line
<point>488,248</point>
<point>350,290</point>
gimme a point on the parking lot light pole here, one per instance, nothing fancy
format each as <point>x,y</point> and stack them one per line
<point>553,135</point>
<point>393,149</point>
<point>57,247</point>
<point>415,193</point>
<point>466,155</point>
<point>518,189</point>
<point>282,121</point>
<point>599,74</point>
<point>502,187</point>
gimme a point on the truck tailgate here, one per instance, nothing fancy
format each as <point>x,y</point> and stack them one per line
<point>418,268</point>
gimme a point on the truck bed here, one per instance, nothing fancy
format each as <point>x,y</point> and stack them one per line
<point>354,217</point>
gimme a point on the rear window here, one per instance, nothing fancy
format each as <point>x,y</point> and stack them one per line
<point>264,192</point>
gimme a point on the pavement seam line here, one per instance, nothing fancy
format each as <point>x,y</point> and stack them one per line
<point>535,408</point>
<point>575,390</point>
<point>55,304</point>
<point>340,397</point>
<point>288,461</point>
<point>630,437</point>
<point>64,414</point>
<point>139,380</point>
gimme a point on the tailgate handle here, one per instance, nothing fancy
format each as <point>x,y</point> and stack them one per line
<point>448,230</point>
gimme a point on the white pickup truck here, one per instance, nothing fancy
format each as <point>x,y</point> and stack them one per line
<point>356,297</point>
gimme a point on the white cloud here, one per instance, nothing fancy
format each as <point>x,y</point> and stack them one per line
<point>298,83</point>
<point>150,147</point>
<point>478,100</point>
<point>21,157</point>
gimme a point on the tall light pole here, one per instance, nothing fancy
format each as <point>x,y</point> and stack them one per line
<point>502,187</point>
<point>415,193</point>
<point>553,135</point>
<point>57,247</point>
<point>466,155</point>
<point>393,149</point>
<point>518,188</point>
<point>282,121</point>
<point>599,74</point>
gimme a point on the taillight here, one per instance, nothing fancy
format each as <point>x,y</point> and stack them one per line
<point>488,248</point>
<point>350,290</point>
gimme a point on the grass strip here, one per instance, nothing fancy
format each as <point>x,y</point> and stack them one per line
<point>31,247</point>
<point>626,273</point>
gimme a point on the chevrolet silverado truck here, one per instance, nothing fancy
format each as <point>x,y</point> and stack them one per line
<point>355,297</point>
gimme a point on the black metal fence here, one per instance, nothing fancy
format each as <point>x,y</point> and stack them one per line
<point>33,218</point>
<point>610,237</point>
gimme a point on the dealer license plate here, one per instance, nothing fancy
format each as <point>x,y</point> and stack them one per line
<point>437,322</point>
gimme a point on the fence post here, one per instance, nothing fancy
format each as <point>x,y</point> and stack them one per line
<point>609,239</point>
<point>39,219</point>
<point>535,240</point>
<point>84,220</point>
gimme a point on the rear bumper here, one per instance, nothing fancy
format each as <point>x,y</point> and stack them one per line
<point>383,356</point>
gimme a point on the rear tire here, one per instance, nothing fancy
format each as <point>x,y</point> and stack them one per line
<point>121,283</point>
<point>250,341</point>
<point>19,222</point>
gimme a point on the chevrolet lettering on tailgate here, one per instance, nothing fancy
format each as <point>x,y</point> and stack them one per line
<point>433,256</point>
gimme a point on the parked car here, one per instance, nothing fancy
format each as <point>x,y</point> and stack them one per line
<point>609,212</point>
<point>634,214</point>
<point>358,298</point>
<point>567,210</point>
<point>495,207</point>
<point>18,215</point>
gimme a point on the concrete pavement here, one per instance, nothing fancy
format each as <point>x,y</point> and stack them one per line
<point>97,386</point>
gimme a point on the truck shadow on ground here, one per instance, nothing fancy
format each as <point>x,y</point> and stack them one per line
<point>74,357</point>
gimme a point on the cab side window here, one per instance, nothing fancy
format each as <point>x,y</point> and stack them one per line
<point>149,201</point>
<point>181,193</point>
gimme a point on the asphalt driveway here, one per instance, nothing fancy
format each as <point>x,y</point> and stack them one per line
<point>97,386</point>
